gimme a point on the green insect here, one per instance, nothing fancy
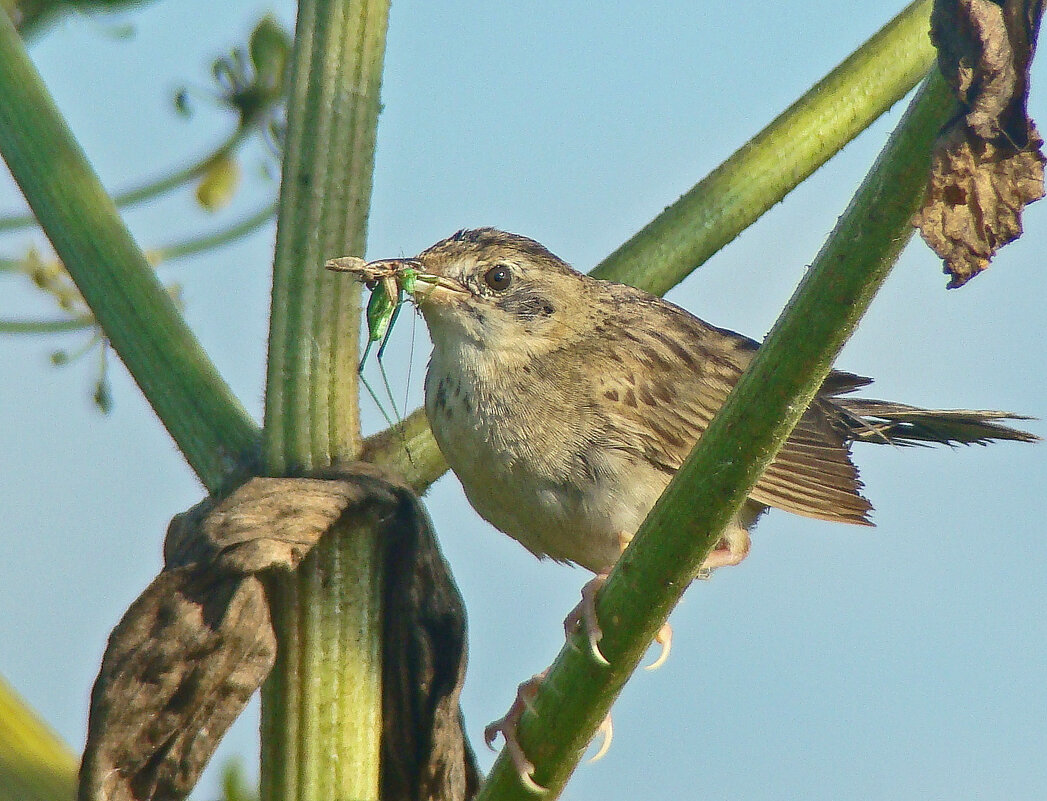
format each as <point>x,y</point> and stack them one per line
<point>384,307</point>
<point>389,280</point>
<point>387,298</point>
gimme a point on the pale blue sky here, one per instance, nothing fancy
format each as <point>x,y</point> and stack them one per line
<point>902,662</point>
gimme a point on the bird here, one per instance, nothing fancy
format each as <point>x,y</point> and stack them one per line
<point>565,404</point>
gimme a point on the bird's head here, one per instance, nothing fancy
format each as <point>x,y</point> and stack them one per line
<point>496,291</point>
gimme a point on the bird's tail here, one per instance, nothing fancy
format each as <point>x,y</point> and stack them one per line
<point>869,420</point>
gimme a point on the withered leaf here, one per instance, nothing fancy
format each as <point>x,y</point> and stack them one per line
<point>268,522</point>
<point>180,667</point>
<point>425,755</point>
<point>987,164</point>
<point>975,200</point>
<point>198,642</point>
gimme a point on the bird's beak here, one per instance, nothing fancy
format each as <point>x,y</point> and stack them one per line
<point>437,289</point>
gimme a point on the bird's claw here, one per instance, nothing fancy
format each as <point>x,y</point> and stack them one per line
<point>584,616</point>
<point>607,730</point>
<point>506,726</point>
<point>664,638</point>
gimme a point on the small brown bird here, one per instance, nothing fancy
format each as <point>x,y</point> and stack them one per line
<point>565,404</point>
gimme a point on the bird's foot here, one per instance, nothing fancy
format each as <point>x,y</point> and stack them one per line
<point>506,726</point>
<point>732,548</point>
<point>607,730</point>
<point>584,616</point>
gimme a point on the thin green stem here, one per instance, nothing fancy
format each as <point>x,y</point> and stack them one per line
<point>408,449</point>
<point>136,313</point>
<point>741,441</point>
<point>775,161</point>
<point>215,239</point>
<point>321,705</point>
<point>150,189</point>
<point>46,326</point>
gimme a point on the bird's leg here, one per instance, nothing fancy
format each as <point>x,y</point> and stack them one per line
<point>732,548</point>
<point>584,614</point>
<point>506,726</point>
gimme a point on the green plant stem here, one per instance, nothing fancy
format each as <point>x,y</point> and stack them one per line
<point>135,312</point>
<point>214,239</point>
<point>755,177</point>
<point>171,252</point>
<point>317,743</point>
<point>150,189</point>
<point>35,765</point>
<point>45,326</point>
<point>711,486</point>
<point>408,449</point>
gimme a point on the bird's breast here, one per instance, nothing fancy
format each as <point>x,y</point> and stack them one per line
<point>530,465</point>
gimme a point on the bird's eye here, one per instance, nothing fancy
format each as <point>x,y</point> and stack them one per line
<point>498,278</point>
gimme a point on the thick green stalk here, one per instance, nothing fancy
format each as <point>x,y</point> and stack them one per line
<point>135,312</point>
<point>35,765</point>
<point>320,740</point>
<point>739,444</point>
<point>761,172</point>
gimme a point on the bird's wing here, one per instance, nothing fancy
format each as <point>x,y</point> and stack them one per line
<point>668,380</point>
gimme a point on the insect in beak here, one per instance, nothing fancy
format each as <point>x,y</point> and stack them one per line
<point>389,280</point>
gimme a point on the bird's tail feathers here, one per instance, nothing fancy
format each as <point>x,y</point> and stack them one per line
<point>868,420</point>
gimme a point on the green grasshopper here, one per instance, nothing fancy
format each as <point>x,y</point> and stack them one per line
<point>388,280</point>
<point>384,307</point>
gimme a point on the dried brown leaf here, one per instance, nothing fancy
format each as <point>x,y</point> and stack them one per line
<point>267,522</point>
<point>179,668</point>
<point>975,200</point>
<point>987,165</point>
<point>425,755</point>
<point>198,642</point>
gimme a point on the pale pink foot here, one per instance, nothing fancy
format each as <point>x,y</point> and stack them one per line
<point>506,726</point>
<point>584,616</point>
<point>730,550</point>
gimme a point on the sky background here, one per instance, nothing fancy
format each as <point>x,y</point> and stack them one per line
<point>901,662</point>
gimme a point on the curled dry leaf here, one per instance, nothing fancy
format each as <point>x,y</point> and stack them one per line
<point>425,756</point>
<point>179,668</point>
<point>987,164</point>
<point>193,648</point>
